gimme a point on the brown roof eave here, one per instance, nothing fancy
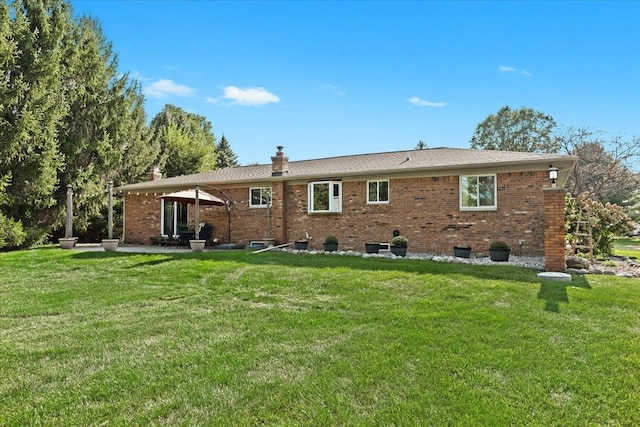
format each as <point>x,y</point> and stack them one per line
<point>565,163</point>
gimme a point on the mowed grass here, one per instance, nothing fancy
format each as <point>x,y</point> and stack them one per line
<point>240,339</point>
<point>627,246</point>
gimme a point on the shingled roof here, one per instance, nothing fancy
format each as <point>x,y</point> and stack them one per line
<point>432,160</point>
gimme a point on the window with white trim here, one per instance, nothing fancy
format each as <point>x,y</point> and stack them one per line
<point>378,192</point>
<point>325,197</point>
<point>259,197</point>
<point>478,192</point>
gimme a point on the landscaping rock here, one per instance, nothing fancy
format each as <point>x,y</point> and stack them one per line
<point>577,263</point>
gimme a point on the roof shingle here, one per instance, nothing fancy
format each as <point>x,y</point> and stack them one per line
<point>434,159</point>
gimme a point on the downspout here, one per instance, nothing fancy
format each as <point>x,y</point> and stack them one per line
<point>124,205</point>
<point>110,220</point>
<point>197,214</point>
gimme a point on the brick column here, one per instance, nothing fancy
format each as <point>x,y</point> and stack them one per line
<point>554,244</point>
<point>278,214</point>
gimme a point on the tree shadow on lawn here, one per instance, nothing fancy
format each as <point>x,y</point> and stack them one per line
<point>151,258</point>
<point>488,272</point>
<point>553,293</point>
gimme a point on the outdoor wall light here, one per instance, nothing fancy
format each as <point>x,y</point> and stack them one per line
<point>553,175</point>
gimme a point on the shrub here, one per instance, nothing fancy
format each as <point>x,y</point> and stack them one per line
<point>400,241</point>
<point>498,246</point>
<point>331,240</point>
<point>607,221</point>
<point>11,232</point>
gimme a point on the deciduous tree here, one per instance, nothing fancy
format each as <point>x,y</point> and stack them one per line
<point>186,141</point>
<point>523,129</point>
<point>604,170</point>
<point>607,221</point>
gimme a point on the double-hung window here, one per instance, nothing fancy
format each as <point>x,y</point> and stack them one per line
<point>259,197</point>
<point>378,192</point>
<point>325,197</point>
<point>478,192</point>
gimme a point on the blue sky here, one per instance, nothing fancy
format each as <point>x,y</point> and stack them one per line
<point>336,78</point>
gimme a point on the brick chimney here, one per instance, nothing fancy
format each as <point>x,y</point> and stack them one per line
<point>154,174</point>
<point>279,163</point>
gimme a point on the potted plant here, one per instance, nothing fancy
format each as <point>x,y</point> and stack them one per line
<point>301,245</point>
<point>499,251</point>
<point>462,251</point>
<point>371,247</point>
<point>331,244</point>
<point>399,245</point>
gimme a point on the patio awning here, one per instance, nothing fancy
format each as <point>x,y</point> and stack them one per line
<point>189,196</point>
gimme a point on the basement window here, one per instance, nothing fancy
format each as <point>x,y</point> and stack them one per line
<point>325,197</point>
<point>478,192</point>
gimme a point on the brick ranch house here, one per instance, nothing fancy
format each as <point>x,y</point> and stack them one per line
<point>438,198</point>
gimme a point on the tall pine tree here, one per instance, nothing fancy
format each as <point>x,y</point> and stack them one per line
<point>32,108</point>
<point>67,116</point>
<point>226,156</point>
<point>104,128</point>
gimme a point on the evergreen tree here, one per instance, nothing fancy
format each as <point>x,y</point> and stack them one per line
<point>67,116</point>
<point>421,145</point>
<point>11,233</point>
<point>104,135</point>
<point>32,108</point>
<point>226,156</point>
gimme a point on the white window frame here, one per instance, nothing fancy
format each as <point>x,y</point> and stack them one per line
<point>378,201</point>
<point>478,207</point>
<point>262,203</point>
<point>335,201</point>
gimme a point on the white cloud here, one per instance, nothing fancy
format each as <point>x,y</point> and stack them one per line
<point>249,96</point>
<point>163,87</point>
<point>333,88</point>
<point>422,103</point>
<point>507,69</point>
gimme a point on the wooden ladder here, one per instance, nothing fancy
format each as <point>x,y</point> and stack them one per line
<point>583,235</point>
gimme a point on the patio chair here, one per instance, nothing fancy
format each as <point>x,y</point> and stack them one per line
<point>205,234</point>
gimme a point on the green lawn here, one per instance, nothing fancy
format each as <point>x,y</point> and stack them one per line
<point>627,247</point>
<point>240,339</point>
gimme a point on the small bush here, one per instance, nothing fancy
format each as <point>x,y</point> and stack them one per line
<point>400,241</point>
<point>331,240</point>
<point>498,246</point>
<point>11,232</point>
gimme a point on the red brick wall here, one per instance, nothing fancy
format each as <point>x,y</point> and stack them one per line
<point>554,243</point>
<point>141,218</point>
<point>425,210</point>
